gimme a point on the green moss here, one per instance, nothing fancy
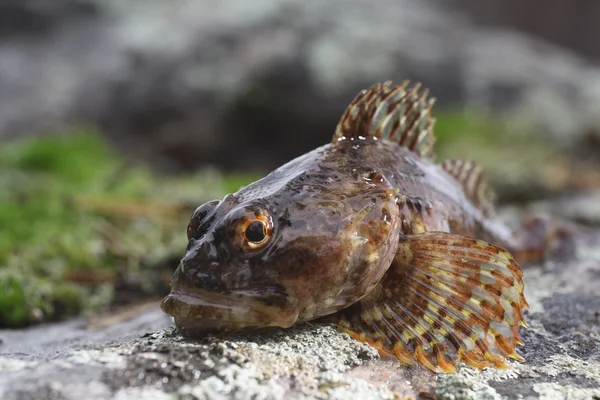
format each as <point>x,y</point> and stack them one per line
<point>68,158</point>
<point>76,220</point>
<point>13,299</point>
<point>460,133</point>
<point>516,159</point>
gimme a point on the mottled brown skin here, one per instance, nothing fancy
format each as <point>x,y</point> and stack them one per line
<point>338,214</point>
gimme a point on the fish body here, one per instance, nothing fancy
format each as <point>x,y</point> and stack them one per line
<point>369,231</point>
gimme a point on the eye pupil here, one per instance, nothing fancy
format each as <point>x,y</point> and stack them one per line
<point>256,232</point>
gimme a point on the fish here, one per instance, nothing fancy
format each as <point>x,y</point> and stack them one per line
<point>367,231</point>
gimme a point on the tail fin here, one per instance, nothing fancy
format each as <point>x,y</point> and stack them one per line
<point>390,112</point>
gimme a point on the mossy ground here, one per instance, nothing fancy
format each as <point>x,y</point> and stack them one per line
<point>520,163</point>
<point>81,230</point>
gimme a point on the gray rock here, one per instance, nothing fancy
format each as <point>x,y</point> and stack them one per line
<point>189,83</point>
<point>308,362</point>
<point>559,21</point>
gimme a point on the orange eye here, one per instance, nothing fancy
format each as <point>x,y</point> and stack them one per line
<point>257,232</point>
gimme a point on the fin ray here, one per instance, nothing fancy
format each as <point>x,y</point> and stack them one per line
<point>392,112</point>
<point>470,175</point>
<point>466,341</point>
<point>453,304</point>
<point>462,325</point>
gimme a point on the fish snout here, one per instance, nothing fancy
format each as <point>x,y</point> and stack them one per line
<point>198,269</point>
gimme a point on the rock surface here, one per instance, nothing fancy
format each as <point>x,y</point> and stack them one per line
<point>144,358</point>
<point>559,21</point>
<point>191,83</point>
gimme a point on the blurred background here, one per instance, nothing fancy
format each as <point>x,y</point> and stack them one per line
<point>117,118</point>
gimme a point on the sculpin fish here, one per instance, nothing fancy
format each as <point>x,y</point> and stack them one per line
<point>403,253</point>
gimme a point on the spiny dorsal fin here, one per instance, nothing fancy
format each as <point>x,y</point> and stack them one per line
<point>470,175</point>
<point>390,112</point>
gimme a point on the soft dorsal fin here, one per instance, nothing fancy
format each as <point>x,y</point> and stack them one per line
<point>470,175</point>
<point>390,112</point>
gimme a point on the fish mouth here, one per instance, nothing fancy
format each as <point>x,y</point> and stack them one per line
<point>200,312</point>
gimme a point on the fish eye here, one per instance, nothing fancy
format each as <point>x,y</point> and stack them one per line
<point>256,231</point>
<point>198,217</point>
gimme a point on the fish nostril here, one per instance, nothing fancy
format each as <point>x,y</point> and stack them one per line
<point>196,253</point>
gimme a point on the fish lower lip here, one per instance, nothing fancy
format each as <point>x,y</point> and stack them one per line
<point>199,311</point>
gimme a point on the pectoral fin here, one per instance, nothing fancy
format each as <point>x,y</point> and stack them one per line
<point>445,299</point>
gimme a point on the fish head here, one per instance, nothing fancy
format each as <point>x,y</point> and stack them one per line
<point>217,286</point>
<point>275,260</point>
